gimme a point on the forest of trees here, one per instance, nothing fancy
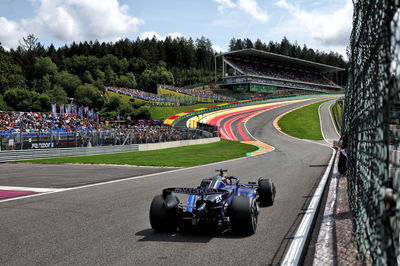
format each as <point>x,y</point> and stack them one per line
<point>290,49</point>
<point>32,76</point>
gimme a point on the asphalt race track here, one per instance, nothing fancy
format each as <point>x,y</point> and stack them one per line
<point>108,224</point>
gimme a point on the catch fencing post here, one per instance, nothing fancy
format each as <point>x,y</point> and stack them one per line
<point>21,138</point>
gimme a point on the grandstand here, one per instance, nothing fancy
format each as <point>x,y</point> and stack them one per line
<point>252,70</point>
<point>135,95</point>
<point>200,95</point>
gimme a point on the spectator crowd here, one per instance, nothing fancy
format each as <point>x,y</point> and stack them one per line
<point>35,122</point>
<point>71,130</point>
<point>197,93</point>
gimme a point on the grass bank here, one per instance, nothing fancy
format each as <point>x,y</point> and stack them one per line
<point>303,123</point>
<point>176,157</point>
<point>162,113</point>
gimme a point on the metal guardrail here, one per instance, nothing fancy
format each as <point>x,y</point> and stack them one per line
<point>337,117</point>
<point>18,155</point>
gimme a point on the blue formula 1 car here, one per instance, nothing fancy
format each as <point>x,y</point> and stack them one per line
<point>220,202</point>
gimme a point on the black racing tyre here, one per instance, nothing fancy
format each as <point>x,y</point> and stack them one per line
<point>266,192</point>
<point>162,220</point>
<point>244,215</point>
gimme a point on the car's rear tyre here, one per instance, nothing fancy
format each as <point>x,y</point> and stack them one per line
<point>244,215</point>
<point>162,220</point>
<point>266,192</point>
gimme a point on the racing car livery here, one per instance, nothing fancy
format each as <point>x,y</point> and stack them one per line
<point>220,201</point>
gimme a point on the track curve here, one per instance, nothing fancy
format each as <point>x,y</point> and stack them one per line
<point>108,224</point>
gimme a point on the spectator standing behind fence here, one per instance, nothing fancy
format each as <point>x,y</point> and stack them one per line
<point>342,145</point>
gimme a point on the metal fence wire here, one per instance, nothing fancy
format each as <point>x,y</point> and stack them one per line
<point>372,121</point>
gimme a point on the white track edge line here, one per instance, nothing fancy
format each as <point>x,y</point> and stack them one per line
<point>320,123</point>
<point>294,253</point>
<point>295,250</point>
<point>35,189</point>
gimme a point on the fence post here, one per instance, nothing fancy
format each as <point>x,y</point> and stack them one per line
<point>76,137</point>
<point>51,136</point>
<point>21,138</point>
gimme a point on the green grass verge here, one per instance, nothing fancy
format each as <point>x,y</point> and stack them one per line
<point>162,113</point>
<point>303,123</point>
<point>176,157</point>
<point>336,111</point>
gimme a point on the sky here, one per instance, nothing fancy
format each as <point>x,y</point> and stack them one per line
<point>320,24</point>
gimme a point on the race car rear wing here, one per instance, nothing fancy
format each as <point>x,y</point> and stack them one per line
<point>194,191</point>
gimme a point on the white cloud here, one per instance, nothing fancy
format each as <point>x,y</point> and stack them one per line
<point>329,29</point>
<point>151,34</point>
<point>223,4</point>
<point>10,33</point>
<point>74,20</point>
<point>217,48</point>
<point>249,7</point>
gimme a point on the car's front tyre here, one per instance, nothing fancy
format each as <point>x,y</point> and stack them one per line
<point>266,192</point>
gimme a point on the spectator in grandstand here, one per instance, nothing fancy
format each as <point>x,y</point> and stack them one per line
<point>140,94</point>
<point>263,69</point>
<point>35,122</point>
<point>31,123</point>
<point>197,93</point>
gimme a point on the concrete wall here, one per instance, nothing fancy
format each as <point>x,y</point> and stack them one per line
<point>172,144</point>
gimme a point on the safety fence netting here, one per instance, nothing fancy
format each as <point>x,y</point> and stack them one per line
<point>372,113</point>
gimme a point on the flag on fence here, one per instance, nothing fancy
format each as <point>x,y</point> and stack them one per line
<point>80,111</point>
<point>91,112</point>
<point>68,109</point>
<point>85,111</point>
<point>61,108</point>
<point>73,109</point>
<point>54,109</point>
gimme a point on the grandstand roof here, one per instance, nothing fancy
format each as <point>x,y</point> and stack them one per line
<point>283,58</point>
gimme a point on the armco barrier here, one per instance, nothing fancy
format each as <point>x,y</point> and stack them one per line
<point>172,144</point>
<point>18,155</point>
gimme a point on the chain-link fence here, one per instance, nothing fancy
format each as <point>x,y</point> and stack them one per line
<point>372,122</point>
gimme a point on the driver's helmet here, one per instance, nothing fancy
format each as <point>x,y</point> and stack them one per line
<point>226,179</point>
